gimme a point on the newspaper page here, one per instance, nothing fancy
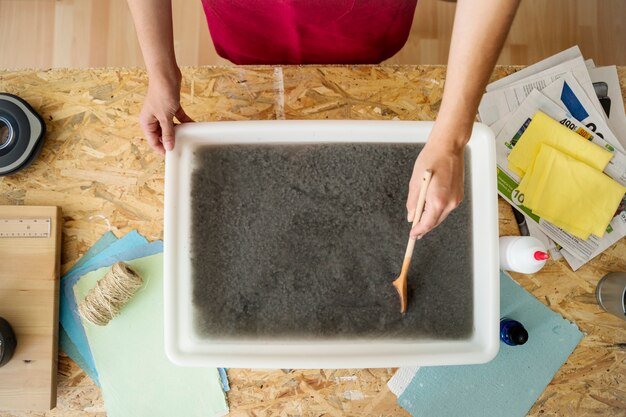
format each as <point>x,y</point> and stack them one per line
<point>497,126</point>
<point>552,61</point>
<point>498,103</point>
<point>576,251</point>
<point>606,84</point>
<point>568,93</point>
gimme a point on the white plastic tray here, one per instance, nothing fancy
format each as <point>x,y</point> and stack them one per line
<point>183,346</point>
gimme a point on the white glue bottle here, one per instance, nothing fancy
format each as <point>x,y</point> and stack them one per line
<point>524,254</point>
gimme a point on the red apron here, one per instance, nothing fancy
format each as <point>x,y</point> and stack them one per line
<point>308,31</point>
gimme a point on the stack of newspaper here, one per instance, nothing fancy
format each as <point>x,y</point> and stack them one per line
<point>586,99</point>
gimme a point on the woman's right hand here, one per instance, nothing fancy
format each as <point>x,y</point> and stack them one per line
<point>161,106</point>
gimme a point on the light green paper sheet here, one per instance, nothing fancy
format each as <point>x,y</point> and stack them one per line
<point>137,378</point>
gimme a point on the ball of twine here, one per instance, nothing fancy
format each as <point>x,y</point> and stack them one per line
<point>110,294</point>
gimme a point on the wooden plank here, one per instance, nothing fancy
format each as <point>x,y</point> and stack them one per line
<point>26,32</point>
<point>29,289</point>
<point>100,33</point>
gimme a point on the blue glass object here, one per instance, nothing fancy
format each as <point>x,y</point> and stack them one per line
<point>512,332</point>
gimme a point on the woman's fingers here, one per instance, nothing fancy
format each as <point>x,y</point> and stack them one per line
<point>446,212</point>
<point>167,132</point>
<point>159,131</point>
<point>411,201</point>
<point>433,210</point>
<point>436,210</point>
<point>152,131</point>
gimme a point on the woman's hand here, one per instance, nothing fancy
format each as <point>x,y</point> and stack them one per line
<point>153,23</point>
<point>161,105</point>
<point>445,191</point>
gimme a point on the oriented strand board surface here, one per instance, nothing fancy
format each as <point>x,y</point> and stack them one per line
<point>97,168</point>
<point>29,300</point>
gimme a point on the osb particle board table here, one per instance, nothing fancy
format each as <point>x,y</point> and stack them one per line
<point>97,167</point>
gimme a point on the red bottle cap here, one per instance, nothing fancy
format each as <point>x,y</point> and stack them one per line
<point>541,256</point>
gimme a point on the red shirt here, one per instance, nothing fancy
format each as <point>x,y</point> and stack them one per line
<point>308,31</point>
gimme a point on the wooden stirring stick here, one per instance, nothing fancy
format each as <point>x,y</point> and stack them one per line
<point>400,282</point>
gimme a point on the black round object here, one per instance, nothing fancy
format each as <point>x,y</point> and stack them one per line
<point>8,342</point>
<point>518,335</point>
<point>21,134</point>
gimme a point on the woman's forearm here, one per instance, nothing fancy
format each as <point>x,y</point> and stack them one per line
<point>480,29</point>
<point>153,23</point>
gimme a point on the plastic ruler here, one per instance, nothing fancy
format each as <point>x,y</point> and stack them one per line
<point>13,228</point>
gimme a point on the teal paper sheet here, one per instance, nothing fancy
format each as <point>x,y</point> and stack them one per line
<point>68,313</point>
<point>136,377</point>
<point>511,383</point>
<point>65,342</point>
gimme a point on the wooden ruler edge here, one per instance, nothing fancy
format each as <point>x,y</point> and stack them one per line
<point>57,233</point>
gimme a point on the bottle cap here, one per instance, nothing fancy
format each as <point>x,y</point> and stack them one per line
<point>518,334</point>
<point>7,342</point>
<point>541,255</point>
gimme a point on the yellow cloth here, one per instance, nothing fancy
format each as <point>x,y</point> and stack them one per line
<point>544,130</point>
<point>569,193</point>
<point>531,187</point>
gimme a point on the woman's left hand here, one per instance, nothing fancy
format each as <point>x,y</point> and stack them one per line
<point>446,188</point>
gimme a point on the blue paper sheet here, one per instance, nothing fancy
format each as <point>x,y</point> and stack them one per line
<point>79,338</point>
<point>65,342</point>
<point>106,251</point>
<point>104,242</point>
<point>73,353</point>
<point>511,383</point>
<point>224,378</point>
<point>69,319</point>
